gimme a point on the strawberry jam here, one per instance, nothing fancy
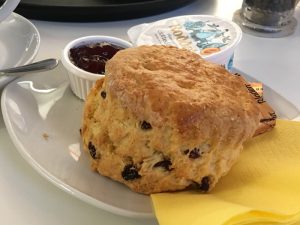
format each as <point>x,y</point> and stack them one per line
<point>93,57</point>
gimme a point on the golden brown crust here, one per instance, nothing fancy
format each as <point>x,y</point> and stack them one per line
<point>169,119</point>
<point>153,81</point>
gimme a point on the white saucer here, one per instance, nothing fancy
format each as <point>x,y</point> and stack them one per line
<point>43,116</point>
<point>43,119</point>
<point>19,43</point>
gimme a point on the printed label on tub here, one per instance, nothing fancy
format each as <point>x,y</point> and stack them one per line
<point>205,35</point>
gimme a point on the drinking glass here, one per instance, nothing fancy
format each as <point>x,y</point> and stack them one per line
<point>267,18</point>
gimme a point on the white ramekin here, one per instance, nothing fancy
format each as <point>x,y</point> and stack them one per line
<point>81,81</point>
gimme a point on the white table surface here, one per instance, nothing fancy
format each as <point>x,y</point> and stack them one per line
<point>27,198</point>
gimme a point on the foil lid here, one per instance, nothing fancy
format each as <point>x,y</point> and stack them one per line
<point>203,34</point>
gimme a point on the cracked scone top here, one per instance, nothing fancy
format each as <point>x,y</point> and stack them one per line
<point>164,119</point>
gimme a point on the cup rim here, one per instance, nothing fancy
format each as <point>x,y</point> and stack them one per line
<point>88,39</point>
<point>7,9</point>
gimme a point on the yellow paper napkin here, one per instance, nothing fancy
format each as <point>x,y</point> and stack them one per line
<point>262,188</point>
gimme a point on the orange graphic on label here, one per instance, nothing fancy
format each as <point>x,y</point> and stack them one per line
<point>208,51</point>
<point>258,87</point>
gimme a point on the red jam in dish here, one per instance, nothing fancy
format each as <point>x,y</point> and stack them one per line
<point>93,57</point>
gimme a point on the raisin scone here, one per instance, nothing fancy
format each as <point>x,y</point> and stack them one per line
<point>164,119</point>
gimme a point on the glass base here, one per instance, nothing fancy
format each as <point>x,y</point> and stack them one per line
<point>264,31</point>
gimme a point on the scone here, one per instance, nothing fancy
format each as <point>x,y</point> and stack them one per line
<point>164,119</point>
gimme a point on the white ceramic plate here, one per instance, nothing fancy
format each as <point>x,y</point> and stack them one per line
<point>43,117</point>
<point>19,43</point>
